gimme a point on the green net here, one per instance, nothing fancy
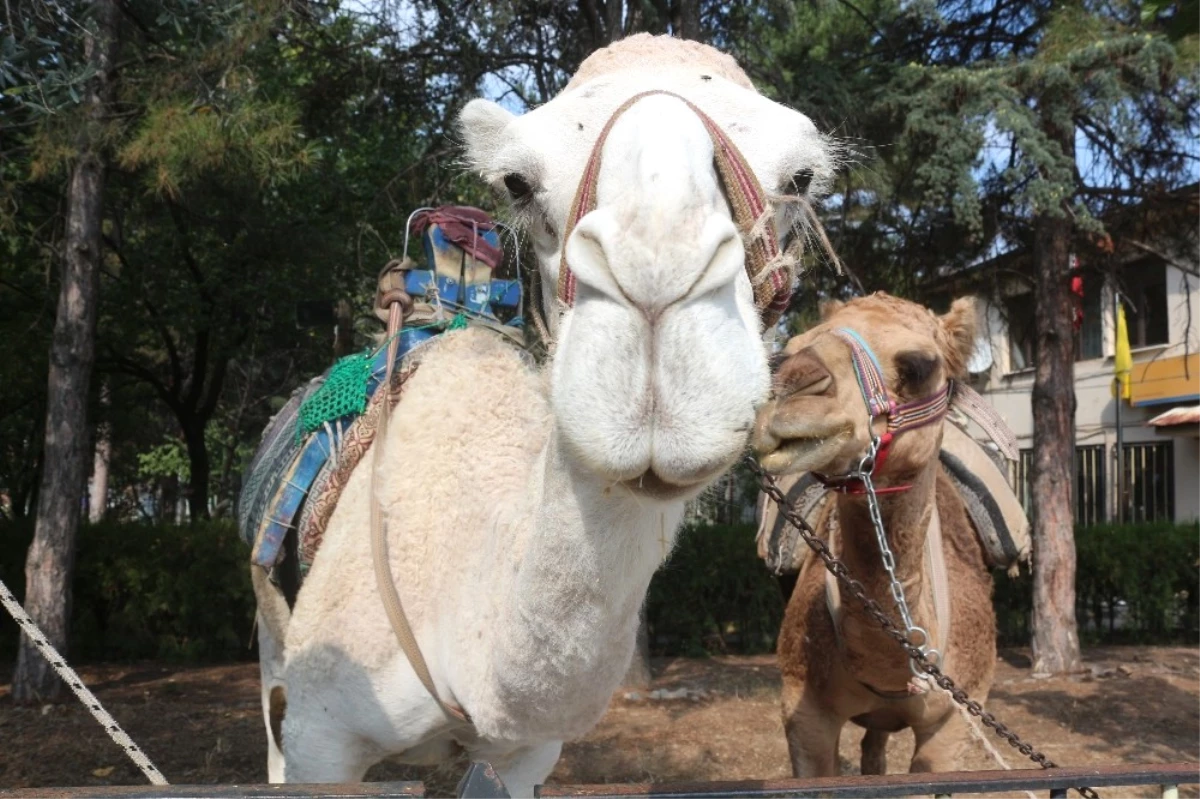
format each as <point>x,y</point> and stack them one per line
<point>343,392</point>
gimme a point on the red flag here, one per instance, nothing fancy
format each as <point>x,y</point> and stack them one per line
<point>1077,290</point>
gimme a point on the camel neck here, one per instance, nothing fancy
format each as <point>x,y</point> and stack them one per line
<point>905,518</point>
<point>571,616</point>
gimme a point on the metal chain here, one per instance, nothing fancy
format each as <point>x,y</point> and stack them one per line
<point>110,725</point>
<point>928,668</point>
<point>866,468</point>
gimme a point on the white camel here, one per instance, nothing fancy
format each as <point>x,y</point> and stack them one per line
<point>528,507</point>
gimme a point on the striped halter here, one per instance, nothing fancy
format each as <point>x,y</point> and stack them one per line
<point>770,271</point>
<point>909,416</point>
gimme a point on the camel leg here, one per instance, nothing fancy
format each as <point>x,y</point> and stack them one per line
<point>521,769</point>
<point>812,737</point>
<point>940,744</point>
<point>271,620</point>
<point>874,752</point>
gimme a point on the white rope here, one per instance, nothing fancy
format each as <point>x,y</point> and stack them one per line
<point>978,735</point>
<point>73,682</point>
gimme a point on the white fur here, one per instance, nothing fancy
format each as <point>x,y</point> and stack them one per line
<point>521,543</point>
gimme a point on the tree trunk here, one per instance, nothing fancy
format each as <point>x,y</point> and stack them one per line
<point>98,496</point>
<point>51,556</point>
<point>687,22</point>
<point>198,464</point>
<point>638,675</point>
<point>343,331</point>
<point>1055,634</point>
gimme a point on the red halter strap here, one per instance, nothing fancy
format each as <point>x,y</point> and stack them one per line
<point>770,271</point>
<point>909,416</point>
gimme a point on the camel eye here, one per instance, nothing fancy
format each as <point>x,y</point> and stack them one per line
<point>915,369</point>
<point>799,182</point>
<point>518,188</point>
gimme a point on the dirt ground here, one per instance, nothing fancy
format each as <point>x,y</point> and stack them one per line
<point>706,719</point>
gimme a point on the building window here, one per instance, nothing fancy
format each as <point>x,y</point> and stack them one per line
<point>1144,288</point>
<point>1090,486</point>
<point>1089,338</point>
<point>1149,482</point>
<point>1018,312</point>
<point>1090,496</point>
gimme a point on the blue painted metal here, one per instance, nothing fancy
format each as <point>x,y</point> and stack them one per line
<point>480,298</point>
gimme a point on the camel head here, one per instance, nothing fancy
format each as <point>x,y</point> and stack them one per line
<point>659,363</point>
<point>817,420</point>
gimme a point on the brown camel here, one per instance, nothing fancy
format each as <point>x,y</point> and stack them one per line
<point>849,669</point>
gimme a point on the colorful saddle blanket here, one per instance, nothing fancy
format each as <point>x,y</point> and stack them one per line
<point>321,434</point>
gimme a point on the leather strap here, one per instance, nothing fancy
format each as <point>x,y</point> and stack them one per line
<point>900,417</point>
<point>770,271</point>
<point>384,582</point>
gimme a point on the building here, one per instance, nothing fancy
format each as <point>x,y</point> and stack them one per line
<point>1159,287</point>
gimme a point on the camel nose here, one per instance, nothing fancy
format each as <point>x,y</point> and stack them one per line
<point>653,266</point>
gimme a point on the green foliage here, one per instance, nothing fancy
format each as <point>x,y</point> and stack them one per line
<point>148,591</point>
<point>183,141</point>
<point>714,595</point>
<point>1154,569</point>
<point>168,459</point>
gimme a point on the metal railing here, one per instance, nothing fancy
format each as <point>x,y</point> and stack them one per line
<point>481,782</point>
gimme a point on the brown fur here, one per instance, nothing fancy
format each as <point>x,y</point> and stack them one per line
<point>825,686</point>
<point>278,709</point>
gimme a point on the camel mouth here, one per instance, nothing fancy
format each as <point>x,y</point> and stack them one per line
<point>650,484</point>
<point>803,454</point>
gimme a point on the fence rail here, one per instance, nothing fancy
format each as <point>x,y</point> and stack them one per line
<point>1169,776</point>
<point>362,790</point>
<point>1057,781</point>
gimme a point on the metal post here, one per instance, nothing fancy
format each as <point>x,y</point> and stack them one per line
<point>1119,400</point>
<point>481,782</point>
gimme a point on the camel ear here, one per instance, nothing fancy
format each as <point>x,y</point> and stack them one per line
<point>482,125</point>
<point>959,327</point>
<point>828,308</point>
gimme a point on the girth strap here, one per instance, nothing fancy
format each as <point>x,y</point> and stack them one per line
<point>384,582</point>
<point>770,271</point>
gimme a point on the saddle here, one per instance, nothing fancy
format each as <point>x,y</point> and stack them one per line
<point>313,444</point>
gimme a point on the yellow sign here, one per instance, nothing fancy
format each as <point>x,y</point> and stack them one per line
<point>1162,380</point>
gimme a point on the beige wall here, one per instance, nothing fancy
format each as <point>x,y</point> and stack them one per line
<point>1095,416</point>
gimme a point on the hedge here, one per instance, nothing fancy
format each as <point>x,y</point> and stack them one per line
<point>183,593</point>
<point>1152,568</point>
<point>148,591</point>
<point>714,595</point>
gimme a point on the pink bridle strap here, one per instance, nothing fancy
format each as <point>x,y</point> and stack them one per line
<point>908,416</point>
<point>770,272</point>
